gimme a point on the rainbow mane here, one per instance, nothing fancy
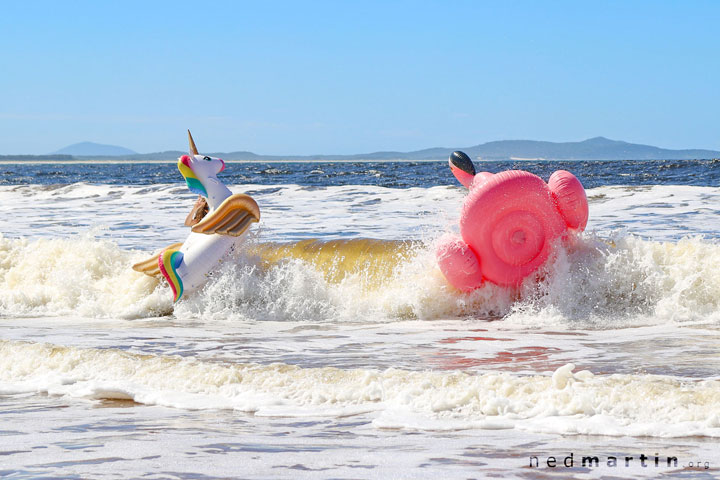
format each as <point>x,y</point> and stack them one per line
<point>193,183</point>
<point>168,261</point>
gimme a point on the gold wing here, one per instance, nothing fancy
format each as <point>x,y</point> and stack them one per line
<point>232,217</point>
<point>150,266</point>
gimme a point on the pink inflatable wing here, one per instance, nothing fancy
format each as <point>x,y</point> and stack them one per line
<point>570,197</point>
<point>459,263</point>
<point>509,224</point>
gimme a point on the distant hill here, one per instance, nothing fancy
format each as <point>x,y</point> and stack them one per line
<point>598,148</point>
<point>86,149</point>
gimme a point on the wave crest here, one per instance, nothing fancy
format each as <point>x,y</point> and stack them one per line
<point>596,283</point>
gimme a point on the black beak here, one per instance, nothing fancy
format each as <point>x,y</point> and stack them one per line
<point>460,160</point>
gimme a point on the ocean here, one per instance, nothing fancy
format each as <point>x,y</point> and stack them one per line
<point>332,347</point>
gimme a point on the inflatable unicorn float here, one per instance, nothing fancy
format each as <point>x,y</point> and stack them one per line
<point>186,265</point>
<point>509,224</point>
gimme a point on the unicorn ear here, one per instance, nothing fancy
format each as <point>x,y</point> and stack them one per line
<point>193,148</point>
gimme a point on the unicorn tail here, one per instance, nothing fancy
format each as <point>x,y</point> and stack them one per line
<point>168,261</point>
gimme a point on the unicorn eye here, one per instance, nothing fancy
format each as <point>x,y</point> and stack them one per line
<point>207,159</point>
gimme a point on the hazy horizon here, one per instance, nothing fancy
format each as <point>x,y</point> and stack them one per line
<point>181,149</point>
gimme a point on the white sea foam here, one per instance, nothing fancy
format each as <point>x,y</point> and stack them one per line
<point>627,281</point>
<point>594,284</point>
<point>660,212</point>
<point>566,402</point>
<point>78,275</point>
<point>150,217</point>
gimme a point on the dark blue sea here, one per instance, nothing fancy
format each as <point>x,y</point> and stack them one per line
<point>384,174</point>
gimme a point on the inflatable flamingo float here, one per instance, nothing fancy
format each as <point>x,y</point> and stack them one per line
<point>186,265</point>
<point>509,224</point>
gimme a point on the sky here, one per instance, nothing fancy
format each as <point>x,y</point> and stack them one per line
<point>309,77</point>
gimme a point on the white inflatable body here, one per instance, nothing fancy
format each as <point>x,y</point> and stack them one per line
<point>200,254</point>
<point>186,267</point>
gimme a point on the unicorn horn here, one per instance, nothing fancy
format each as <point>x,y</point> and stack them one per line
<point>193,148</point>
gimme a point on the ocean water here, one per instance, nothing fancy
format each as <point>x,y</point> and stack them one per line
<point>355,360</point>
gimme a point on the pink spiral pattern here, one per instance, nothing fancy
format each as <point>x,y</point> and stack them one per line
<point>510,223</point>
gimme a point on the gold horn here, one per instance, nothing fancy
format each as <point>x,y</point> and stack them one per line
<point>193,148</point>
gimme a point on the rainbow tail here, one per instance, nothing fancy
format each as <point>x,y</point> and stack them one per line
<point>168,261</point>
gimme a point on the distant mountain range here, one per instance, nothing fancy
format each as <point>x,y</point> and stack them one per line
<point>84,149</point>
<point>598,148</point>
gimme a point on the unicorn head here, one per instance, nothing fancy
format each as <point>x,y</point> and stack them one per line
<point>200,172</point>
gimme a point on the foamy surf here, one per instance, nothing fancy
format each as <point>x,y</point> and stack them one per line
<point>151,216</point>
<point>597,283</point>
<point>78,275</point>
<point>564,401</point>
<point>301,334</point>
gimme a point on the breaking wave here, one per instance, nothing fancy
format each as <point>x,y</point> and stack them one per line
<point>565,402</point>
<point>596,283</point>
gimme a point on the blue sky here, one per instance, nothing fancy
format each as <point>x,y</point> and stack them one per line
<point>350,77</point>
